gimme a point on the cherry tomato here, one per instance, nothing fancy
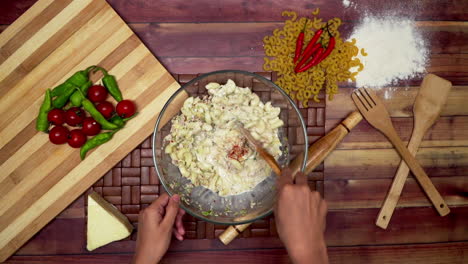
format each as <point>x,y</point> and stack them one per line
<point>97,93</point>
<point>58,135</point>
<point>76,138</point>
<point>91,127</point>
<point>56,116</point>
<point>74,116</point>
<point>106,109</point>
<point>125,108</point>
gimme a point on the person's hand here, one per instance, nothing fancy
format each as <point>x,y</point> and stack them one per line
<point>156,223</point>
<point>300,219</point>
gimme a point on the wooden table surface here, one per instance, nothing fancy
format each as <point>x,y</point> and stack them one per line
<point>192,37</point>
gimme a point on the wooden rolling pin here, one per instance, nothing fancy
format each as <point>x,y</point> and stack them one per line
<point>316,153</point>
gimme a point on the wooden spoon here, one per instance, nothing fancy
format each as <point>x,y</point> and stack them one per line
<point>431,98</point>
<point>263,153</point>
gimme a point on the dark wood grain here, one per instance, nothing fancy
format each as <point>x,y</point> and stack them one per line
<point>453,67</point>
<point>60,236</point>
<point>370,193</point>
<point>399,101</point>
<point>408,226</point>
<point>455,253</point>
<point>231,10</point>
<point>349,227</point>
<point>436,253</point>
<point>246,39</point>
<point>202,36</point>
<point>239,46</point>
<point>383,163</point>
<point>11,10</point>
<point>446,132</point>
<point>261,11</point>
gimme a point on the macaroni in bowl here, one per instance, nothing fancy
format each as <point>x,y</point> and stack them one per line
<point>206,144</point>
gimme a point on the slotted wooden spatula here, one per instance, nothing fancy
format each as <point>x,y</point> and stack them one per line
<point>429,102</point>
<point>263,153</point>
<point>376,114</point>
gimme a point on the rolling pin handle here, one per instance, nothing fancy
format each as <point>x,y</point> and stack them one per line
<point>232,232</point>
<point>352,120</point>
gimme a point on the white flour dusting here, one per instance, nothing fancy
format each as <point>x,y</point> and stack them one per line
<point>396,50</point>
<point>349,4</point>
<point>346,3</point>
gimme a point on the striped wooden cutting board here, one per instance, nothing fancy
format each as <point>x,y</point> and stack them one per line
<point>46,45</point>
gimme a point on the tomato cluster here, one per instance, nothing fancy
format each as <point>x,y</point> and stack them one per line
<point>82,126</point>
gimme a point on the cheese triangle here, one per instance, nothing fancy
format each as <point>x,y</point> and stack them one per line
<point>105,223</point>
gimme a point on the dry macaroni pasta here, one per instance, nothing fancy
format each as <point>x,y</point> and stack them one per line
<point>305,86</point>
<point>206,144</point>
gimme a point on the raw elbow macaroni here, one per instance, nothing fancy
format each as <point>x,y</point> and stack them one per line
<point>339,66</point>
<point>206,144</point>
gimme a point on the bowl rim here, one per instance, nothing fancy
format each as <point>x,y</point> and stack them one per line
<point>196,79</point>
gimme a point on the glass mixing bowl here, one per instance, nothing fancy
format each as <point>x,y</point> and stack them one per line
<point>202,202</point>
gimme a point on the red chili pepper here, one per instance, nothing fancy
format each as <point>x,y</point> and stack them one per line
<point>307,56</point>
<point>331,45</point>
<point>299,44</point>
<point>314,39</point>
<point>313,62</point>
<point>311,48</point>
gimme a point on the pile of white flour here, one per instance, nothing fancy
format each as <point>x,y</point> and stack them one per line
<point>395,48</point>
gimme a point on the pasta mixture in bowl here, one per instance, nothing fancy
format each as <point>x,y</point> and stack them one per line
<point>201,154</point>
<point>206,144</point>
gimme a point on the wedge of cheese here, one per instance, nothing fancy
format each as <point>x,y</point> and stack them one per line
<point>105,223</point>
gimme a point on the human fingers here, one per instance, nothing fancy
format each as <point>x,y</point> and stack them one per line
<point>315,200</point>
<point>178,223</point>
<point>157,207</point>
<point>323,208</point>
<point>176,233</point>
<point>161,201</point>
<point>172,209</point>
<point>284,178</point>
<point>301,178</point>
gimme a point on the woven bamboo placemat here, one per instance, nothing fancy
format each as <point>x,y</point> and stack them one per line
<point>133,183</point>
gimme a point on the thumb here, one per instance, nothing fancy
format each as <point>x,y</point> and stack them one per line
<point>171,211</point>
<point>285,178</point>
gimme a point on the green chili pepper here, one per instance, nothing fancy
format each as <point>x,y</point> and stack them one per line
<point>61,100</point>
<point>111,85</point>
<point>89,107</point>
<point>95,142</point>
<point>130,117</point>
<point>61,89</point>
<point>76,98</point>
<point>42,124</point>
<point>116,119</point>
<point>79,78</point>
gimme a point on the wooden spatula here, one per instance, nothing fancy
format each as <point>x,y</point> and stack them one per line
<point>263,153</point>
<point>375,113</point>
<point>431,98</point>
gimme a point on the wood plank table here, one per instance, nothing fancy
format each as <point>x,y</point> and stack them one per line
<point>191,37</point>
